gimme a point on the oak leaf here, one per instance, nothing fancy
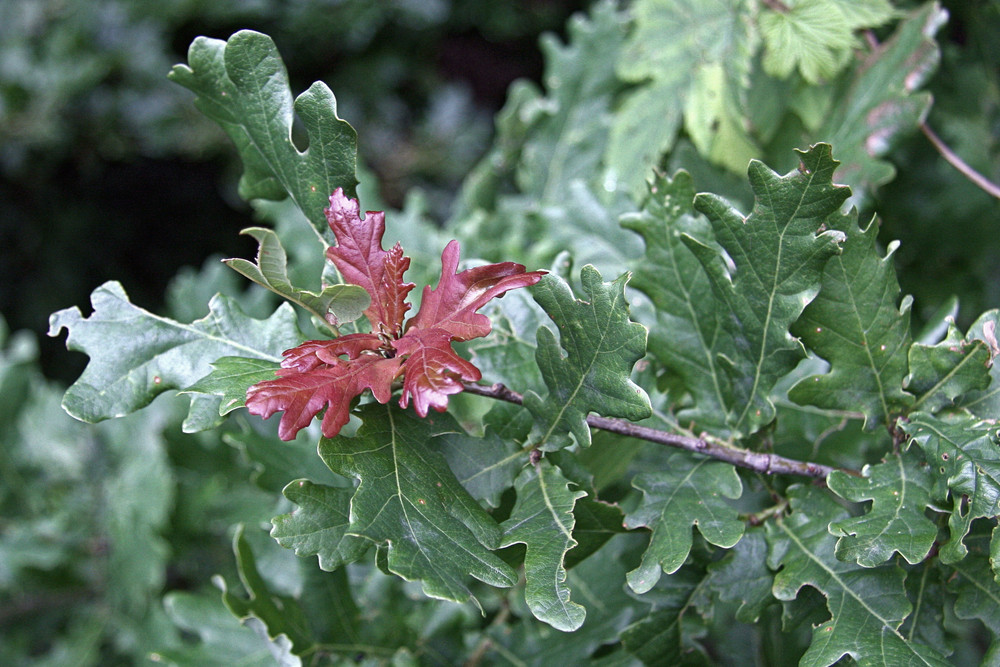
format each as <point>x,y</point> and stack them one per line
<point>331,373</point>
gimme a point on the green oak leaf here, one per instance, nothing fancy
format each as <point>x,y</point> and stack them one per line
<point>487,466</point>
<point>766,268</point>
<point>880,103</point>
<point>230,378</point>
<point>742,576</point>
<point>687,492</point>
<point>318,527</point>
<point>866,605</point>
<point>900,489</point>
<point>333,305</point>
<point>224,641</point>
<point>978,594</point>
<point>659,637</point>
<point>601,345</point>
<point>854,323</point>
<point>242,84</point>
<point>596,523</point>
<point>964,455</point>
<point>283,618</point>
<point>542,520</point>
<point>815,36</point>
<point>426,525</point>
<point>276,463</point>
<point>942,372</point>
<point>688,333</point>
<point>136,355</point>
<point>691,60</point>
<point>985,404</point>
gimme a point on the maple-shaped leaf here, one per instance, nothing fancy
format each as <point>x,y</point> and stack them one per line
<point>855,324</point>
<point>542,520</point>
<point>330,373</point>
<point>866,605</point>
<point>410,504</point>
<point>764,270</point>
<point>964,454</point>
<point>900,491</point>
<point>602,344</point>
<point>687,492</point>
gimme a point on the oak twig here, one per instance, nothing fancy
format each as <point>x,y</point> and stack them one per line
<point>768,464</point>
<point>958,163</point>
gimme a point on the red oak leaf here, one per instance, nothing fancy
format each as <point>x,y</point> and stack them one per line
<point>330,373</point>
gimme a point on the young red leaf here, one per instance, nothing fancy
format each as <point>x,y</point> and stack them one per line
<point>331,373</point>
<point>453,304</point>
<point>361,260</point>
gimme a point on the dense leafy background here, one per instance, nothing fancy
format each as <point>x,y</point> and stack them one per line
<point>112,533</point>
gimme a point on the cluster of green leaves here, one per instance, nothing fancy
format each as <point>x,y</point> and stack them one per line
<point>772,326</point>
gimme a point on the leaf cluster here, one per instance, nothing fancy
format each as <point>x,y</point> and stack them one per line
<point>769,339</point>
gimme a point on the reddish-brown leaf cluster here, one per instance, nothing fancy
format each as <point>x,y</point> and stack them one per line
<point>330,373</point>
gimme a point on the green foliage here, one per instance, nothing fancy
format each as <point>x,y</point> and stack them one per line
<point>623,486</point>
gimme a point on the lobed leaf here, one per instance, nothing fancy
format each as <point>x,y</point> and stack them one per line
<point>686,492</point>
<point>867,605</point>
<point>985,403</point>
<point>659,638</point>
<point>230,378</point>
<point>742,576</point>
<point>333,305</point>
<point>964,455</point>
<point>941,373</point>
<point>766,268</point>
<point>329,374</point>
<point>410,504</point>
<point>688,335</point>
<point>542,520</point>
<point>854,323</point>
<point>601,345</point>
<point>242,84</point>
<point>318,527</point>
<point>900,490</point>
<point>136,355</point>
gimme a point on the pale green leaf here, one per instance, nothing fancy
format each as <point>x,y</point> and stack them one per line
<point>318,527</point>
<point>333,305</point>
<point>812,36</point>
<point>542,520</point>
<point>692,60</point>
<point>242,84</point>
<point>900,490</point>
<point>965,457</point>
<point>223,640</point>
<point>855,324</point>
<point>410,504</point>
<point>136,355</point>
<point>866,605</point>
<point>768,268</point>
<point>942,372</point>
<point>230,378</point>
<point>687,492</point>
<point>601,345</point>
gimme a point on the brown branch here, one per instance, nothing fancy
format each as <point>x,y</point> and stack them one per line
<point>767,464</point>
<point>958,163</point>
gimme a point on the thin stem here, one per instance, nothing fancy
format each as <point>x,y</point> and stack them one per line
<point>764,463</point>
<point>954,160</point>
